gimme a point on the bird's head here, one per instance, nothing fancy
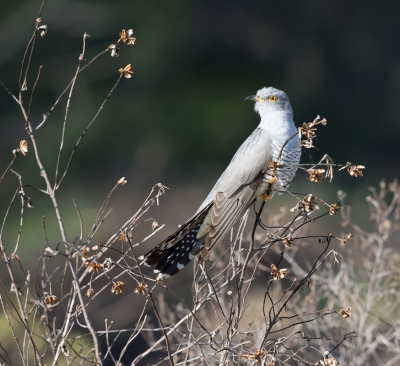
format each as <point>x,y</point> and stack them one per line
<point>269,100</point>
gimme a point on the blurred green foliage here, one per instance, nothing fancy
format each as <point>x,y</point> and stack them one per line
<point>194,63</point>
<point>182,116</point>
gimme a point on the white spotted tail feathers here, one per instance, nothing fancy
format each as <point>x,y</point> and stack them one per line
<point>176,251</point>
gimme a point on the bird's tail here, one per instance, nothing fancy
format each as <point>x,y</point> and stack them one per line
<point>176,251</point>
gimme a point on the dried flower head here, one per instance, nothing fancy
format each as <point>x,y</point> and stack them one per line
<point>15,257</point>
<point>154,225</point>
<point>355,170</point>
<point>334,208</point>
<point>307,130</point>
<point>117,287</point>
<point>346,313</point>
<point>89,292</point>
<point>122,181</point>
<point>255,356</point>
<point>22,149</point>
<point>141,289</point>
<point>288,241</point>
<point>96,247</point>
<point>114,50</point>
<point>126,71</point>
<point>277,274</point>
<point>125,236</point>
<point>95,267</point>
<point>51,300</point>
<point>330,361</point>
<point>274,165</point>
<point>308,204</point>
<point>316,175</point>
<point>347,237</point>
<point>126,37</point>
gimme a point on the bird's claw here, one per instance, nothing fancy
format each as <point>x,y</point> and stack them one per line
<point>266,197</point>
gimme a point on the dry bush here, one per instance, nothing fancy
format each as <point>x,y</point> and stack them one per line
<point>246,308</point>
<point>366,285</point>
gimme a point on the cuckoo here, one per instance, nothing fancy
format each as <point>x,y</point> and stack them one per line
<point>265,164</point>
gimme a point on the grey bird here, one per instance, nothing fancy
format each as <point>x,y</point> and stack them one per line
<point>265,164</point>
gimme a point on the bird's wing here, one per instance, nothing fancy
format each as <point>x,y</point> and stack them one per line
<point>234,191</point>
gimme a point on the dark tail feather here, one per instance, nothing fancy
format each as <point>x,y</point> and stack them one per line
<point>176,251</point>
<point>177,257</point>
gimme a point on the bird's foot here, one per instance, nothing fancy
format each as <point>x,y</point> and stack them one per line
<point>266,196</point>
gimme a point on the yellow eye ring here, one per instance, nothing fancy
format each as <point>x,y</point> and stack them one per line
<point>273,98</point>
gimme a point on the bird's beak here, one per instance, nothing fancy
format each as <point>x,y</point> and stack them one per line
<point>254,98</point>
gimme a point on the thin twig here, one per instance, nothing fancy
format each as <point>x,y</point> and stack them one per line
<point>57,186</point>
<point>81,56</point>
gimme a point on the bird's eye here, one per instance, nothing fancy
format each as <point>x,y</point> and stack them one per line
<point>273,98</point>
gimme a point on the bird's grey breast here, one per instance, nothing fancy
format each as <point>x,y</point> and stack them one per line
<point>287,153</point>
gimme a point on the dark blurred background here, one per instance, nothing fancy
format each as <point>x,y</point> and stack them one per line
<point>182,115</point>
